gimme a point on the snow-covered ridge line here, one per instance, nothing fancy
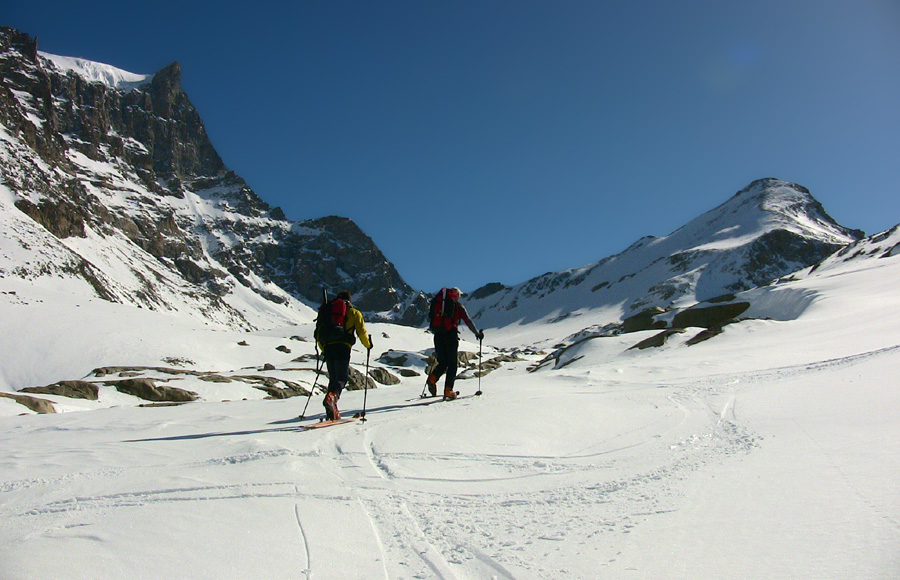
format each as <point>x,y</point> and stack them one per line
<point>96,72</point>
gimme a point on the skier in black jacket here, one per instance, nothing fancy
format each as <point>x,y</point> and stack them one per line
<point>446,313</point>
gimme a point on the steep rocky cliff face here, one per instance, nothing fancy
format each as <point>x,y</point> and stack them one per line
<point>111,182</point>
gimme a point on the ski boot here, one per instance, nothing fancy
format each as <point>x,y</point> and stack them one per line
<point>331,410</point>
<point>431,382</point>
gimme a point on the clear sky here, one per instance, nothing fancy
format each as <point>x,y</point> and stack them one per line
<point>495,140</point>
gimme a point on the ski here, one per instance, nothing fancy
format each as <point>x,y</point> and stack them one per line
<point>441,399</point>
<point>329,423</point>
<point>469,396</point>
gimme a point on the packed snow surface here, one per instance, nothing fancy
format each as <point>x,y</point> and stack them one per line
<point>769,451</point>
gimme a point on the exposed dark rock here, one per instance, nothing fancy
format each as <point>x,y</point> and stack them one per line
<point>212,378</point>
<point>61,218</point>
<point>644,320</point>
<point>705,335</point>
<point>122,370</point>
<point>41,406</point>
<point>395,358</point>
<point>709,316</point>
<point>656,340</point>
<point>148,390</point>
<point>71,389</point>
<point>358,381</point>
<point>283,393</point>
<point>270,385</point>
<point>495,363</point>
<point>779,252</point>
<point>383,376</point>
<point>722,298</point>
<point>464,360</point>
<point>487,290</point>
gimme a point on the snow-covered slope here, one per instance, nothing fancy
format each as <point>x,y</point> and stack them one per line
<point>111,76</point>
<point>767,230</point>
<point>769,451</point>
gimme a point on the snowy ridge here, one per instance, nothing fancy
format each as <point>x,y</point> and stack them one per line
<point>95,72</point>
<point>767,230</point>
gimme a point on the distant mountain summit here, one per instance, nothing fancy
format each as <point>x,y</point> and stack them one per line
<point>767,230</point>
<point>111,188</point>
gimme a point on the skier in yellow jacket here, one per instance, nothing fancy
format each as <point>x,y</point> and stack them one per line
<point>337,327</point>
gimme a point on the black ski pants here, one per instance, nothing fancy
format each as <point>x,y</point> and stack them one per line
<point>337,361</point>
<point>446,347</point>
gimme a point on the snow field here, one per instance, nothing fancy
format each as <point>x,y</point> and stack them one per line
<point>769,451</point>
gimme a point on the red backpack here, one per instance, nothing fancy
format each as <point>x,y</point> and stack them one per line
<point>443,311</point>
<point>331,320</point>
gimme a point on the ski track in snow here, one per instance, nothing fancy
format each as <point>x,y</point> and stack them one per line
<point>430,517</point>
<point>454,515</point>
<point>307,560</point>
<point>787,372</point>
<point>438,522</point>
<point>852,487</point>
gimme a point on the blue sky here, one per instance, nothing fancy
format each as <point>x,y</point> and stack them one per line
<point>482,141</point>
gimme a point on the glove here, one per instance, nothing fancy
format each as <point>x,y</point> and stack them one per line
<point>480,335</point>
<point>371,343</point>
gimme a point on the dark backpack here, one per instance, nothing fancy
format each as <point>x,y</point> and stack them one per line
<point>443,312</point>
<point>331,320</point>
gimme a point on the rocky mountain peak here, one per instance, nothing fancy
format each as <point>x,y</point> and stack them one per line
<point>165,88</point>
<point>766,230</point>
<point>115,184</point>
<point>21,42</point>
<point>765,205</point>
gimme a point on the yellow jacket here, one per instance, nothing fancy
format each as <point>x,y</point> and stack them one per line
<point>354,323</point>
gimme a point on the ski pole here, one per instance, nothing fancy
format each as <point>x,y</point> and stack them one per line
<point>318,369</point>
<point>478,392</point>
<point>319,364</point>
<point>362,417</point>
